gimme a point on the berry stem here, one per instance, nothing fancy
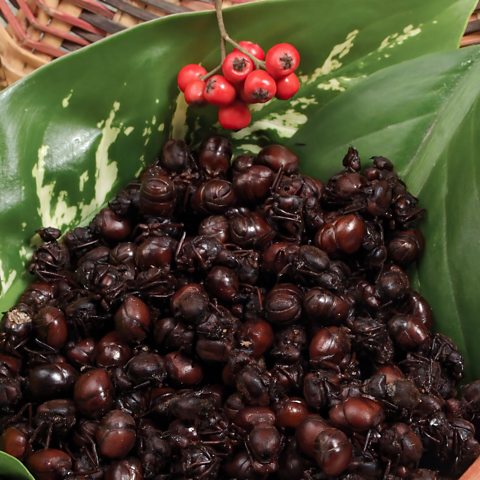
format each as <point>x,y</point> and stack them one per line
<point>218,10</point>
<point>226,37</point>
<point>211,72</point>
<point>258,63</point>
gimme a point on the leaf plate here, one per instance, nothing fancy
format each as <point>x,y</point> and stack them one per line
<point>71,135</point>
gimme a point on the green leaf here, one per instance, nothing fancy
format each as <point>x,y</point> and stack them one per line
<point>425,116</point>
<point>77,130</point>
<point>347,43</point>
<point>11,468</point>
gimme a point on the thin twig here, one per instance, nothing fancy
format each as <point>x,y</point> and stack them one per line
<point>211,72</point>
<point>218,10</point>
<point>258,63</point>
<point>226,37</point>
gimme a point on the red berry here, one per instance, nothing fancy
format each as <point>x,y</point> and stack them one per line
<point>234,116</point>
<point>259,87</point>
<point>194,92</point>
<point>241,94</point>
<point>287,87</point>
<point>219,91</point>
<point>189,72</point>
<point>236,67</point>
<point>282,59</point>
<point>253,48</point>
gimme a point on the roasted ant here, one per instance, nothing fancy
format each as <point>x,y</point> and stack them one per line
<point>153,448</point>
<point>79,241</point>
<point>214,156</point>
<point>286,213</point>
<point>253,185</point>
<point>175,156</point>
<point>51,258</point>
<point>157,194</point>
<point>110,226</point>
<point>201,252</point>
<point>210,320</point>
<point>154,284</point>
<point>249,229</point>
<point>264,444</point>
<point>324,307</point>
<point>344,234</point>
<point>214,196</point>
<point>279,158</point>
<point>283,304</point>
<point>216,227</point>
<point>370,337</point>
<point>54,417</point>
<point>198,461</point>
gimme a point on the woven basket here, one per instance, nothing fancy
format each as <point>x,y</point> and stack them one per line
<point>38,31</point>
<point>472,33</point>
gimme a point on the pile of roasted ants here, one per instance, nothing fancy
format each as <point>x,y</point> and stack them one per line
<point>236,320</point>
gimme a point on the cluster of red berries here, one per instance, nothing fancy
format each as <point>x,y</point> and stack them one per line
<point>249,76</point>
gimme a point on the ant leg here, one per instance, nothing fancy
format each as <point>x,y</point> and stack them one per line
<point>35,433</point>
<point>387,469</point>
<point>180,245</point>
<point>259,296</point>
<point>30,413</point>
<point>49,434</point>
<point>277,179</point>
<point>141,385</point>
<point>368,440</point>
<point>15,417</point>
<point>45,345</point>
<point>95,453</point>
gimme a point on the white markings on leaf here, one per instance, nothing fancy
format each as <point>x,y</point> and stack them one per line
<point>128,131</point>
<point>396,39</point>
<point>82,180</point>
<point>6,279</point>
<point>53,208</point>
<point>106,170</point>
<point>332,61</point>
<point>161,127</point>
<point>179,119</point>
<point>141,167</point>
<point>303,102</point>
<point>256,107</point>
<point>147,132</point>
<point>284,124</point>
<point>250,147</point>
<point>332,84</point>
<point>25,253</point>
<point>66,100</point>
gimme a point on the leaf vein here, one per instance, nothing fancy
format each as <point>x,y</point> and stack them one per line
<point>461,332</point>
<point>463,86</point>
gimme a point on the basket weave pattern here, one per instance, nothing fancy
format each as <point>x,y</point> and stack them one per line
<point>472,33</point>
<point>38,31</point>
